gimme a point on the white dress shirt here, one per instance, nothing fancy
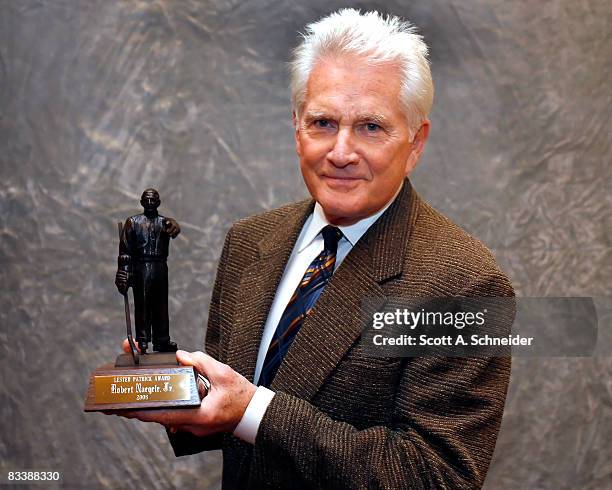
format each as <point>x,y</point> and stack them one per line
<point>307,247</point>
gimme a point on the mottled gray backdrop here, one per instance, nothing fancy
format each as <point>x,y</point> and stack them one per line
<point>101,99</point>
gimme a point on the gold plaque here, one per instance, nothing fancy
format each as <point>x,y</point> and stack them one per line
<point>134,388</point>
<point>128,388</point>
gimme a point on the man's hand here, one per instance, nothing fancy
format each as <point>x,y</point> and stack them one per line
<point>172,227</point>
<point>122,281</point>
<point>221,409</point>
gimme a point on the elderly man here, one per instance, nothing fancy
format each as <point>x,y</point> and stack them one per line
<point>295,401</point>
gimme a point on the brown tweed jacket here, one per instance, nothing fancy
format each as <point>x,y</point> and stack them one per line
<point>341,419</point>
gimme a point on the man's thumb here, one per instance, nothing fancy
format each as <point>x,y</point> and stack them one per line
<point>198,360</point>
<point>204,364</point>
<point>185,358</point>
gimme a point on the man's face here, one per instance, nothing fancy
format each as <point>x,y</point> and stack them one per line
<point>353,139</point>
<point>150,201</point>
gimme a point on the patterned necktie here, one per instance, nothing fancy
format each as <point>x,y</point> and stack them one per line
<point>315,278</point>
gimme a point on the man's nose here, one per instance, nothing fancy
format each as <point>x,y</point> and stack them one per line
<point>343,152</point>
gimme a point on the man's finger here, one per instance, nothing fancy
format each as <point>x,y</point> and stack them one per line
<point>194,429</point>
<point>163,417</point>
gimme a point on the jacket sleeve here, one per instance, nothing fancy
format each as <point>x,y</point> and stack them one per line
<point>185,443</point>
<point>446,416</point>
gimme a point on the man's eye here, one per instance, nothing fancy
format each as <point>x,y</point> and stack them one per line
<point>372,127</point>
<point>322,123</point>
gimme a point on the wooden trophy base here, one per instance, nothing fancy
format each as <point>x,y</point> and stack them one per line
<point>157,381</point>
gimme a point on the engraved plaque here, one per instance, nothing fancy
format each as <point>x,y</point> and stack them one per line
<point>141,387</point>
<point>118,388</point>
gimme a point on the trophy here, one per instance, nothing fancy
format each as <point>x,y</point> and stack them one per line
<point>142,379</point>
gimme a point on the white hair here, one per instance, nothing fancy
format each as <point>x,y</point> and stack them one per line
<point>377,39</point>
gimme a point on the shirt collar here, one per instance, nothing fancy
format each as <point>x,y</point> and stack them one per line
<point>317,221</point>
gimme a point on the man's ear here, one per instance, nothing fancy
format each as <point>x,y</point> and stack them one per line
<point>418,146</point>
<point>296,134</point>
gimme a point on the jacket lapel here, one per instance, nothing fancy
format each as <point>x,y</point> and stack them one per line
<point>340,313</point>
<point>258,284</point>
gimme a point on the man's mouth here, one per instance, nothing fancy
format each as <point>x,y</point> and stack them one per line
<point>341,177</point>
<point>341,182</point>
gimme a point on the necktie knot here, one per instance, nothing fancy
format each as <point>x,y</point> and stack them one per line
<point>331,237</point>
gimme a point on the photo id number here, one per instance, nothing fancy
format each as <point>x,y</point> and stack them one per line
<point>30,476</point>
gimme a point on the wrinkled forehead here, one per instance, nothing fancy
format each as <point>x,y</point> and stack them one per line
<point>350,82</point>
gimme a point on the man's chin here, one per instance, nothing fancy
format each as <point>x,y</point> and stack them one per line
<point>340,213</point>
